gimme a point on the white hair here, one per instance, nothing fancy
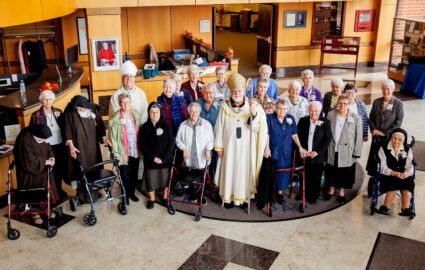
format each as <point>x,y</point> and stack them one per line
<point>265,68</point>
<point>294,84</point>
<point>176,76</point>
<point>316,104</point>
<point>306,72</point>
<point>193,68</point>
<point>47,94</point>
<point>337,82</point>
<point>170,82</point>
<point>194,105</point>
<point>388,83</point>
<point>208,86</point>
<point>221,68</point>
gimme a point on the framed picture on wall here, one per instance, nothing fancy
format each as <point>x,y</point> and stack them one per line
<point>82,35</point>
<point>106,53</point>
<point>295,18</point>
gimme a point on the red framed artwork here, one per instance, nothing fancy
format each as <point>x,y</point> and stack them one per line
<point>365,20</point>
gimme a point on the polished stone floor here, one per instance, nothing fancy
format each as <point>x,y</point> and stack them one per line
<point>153,239</point>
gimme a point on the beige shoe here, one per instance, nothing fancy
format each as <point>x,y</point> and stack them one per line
<point>36,219</point>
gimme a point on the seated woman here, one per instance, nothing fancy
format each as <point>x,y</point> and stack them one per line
<point>396,172</point>
<point>297,105</point>
<point>32,156</point>
<point>308,91</point>
<point>265,101</point>
<point>282,131</point>
<point>84,130</point>
<point>173,107</point>
<point>123,133</point>
<point>52,117</point>
<point>156,142</point>
<point>331,98</point>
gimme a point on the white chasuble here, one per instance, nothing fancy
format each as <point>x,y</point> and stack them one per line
<point>237,173</point>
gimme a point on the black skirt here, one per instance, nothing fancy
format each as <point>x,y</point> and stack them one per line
<point>391,183</point>
<point>340,177</point>
<point>155,179</point>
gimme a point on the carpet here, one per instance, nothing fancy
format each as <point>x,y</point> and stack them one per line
<point>396,252</point>
<point>419,154</point>
<point>280,212</point>
<point>58,222</point>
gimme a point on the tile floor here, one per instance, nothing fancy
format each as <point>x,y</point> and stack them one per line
<point>153,239</point>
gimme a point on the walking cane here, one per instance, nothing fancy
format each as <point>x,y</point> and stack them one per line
<point>250,88</point>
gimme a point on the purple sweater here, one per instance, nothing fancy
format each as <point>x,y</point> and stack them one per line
<point>315,94</point>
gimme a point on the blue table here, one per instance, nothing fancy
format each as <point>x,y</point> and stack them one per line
<point>414,81</point>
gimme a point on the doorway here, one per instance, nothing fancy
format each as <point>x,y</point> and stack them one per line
<point>236,26</point>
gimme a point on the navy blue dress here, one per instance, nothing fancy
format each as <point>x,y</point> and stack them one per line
<point>281,146</point>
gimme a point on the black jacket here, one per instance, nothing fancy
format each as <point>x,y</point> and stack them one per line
<point>153,145</point>
<point>321,138</point>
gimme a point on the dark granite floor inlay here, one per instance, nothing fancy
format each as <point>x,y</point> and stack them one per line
<point>216,252</point>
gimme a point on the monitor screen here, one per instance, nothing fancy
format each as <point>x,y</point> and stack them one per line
<point>71,55</point>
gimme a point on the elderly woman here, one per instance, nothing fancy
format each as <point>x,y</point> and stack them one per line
<point>179,91</point>
<point>308,91</point>
<point>52,118</point>
<point>386,115</point>
<point>33,155</point>
<point>193,85</point>
<point>297,105</point>
<point>156,142</point>
<point>195,138</point>
<point>265,72</point>
<point>173,107</point>
<point>265,101</point>
<point>358,107</point>
<point>84,130</point>
<point>282,131</point>
<point>344,148</point>
<point>396,172</point>
<point>123,133</point>
<point>331,98</point>
<point>220,86</point>
<point>314,136</point>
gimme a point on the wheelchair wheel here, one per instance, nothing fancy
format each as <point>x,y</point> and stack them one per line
<point>13,234</point>
<point>89,219</point>
<point>58,212</point>
<point>171,209</point>
<point>122,208</point>
<point>73,204</point>
<point>52,231</point>
<point>198,215</point>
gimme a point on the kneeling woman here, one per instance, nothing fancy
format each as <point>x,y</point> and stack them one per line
<point>396,171</point>
<point>33,154</point>
<point>156,142</point>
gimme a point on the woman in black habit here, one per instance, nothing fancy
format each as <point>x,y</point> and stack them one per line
<point>84,131</point>
<point>156,142</point>
<point>33,154</point>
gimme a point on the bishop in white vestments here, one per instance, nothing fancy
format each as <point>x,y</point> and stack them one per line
<point>239,143</point>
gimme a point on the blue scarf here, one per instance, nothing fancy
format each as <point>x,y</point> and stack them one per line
<point>177,105</point>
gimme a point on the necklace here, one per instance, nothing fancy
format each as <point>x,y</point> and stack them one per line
<point>49,119</point>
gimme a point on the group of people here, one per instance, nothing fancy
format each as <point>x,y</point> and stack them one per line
<point>219,124</point>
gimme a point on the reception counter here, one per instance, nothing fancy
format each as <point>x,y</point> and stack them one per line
<point>70,87</point>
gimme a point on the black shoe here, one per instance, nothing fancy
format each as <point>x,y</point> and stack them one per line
<point>280,199</point>
<point>327,196</point>
<point>127,201</point>
<point>406,212</point>
<point>228,205</point>
<point>150,204</point>
<point>134,198</point>
<point>340,199</point>
<point>298,197</point>
<point>243,206</point>
<point>384,210</point>
<point>312,201</point>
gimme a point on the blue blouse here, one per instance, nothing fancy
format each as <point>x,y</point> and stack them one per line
<point>211,114</point>
<point>281,136</point>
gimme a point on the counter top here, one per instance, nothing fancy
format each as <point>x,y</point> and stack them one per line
<point>14,100</point>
